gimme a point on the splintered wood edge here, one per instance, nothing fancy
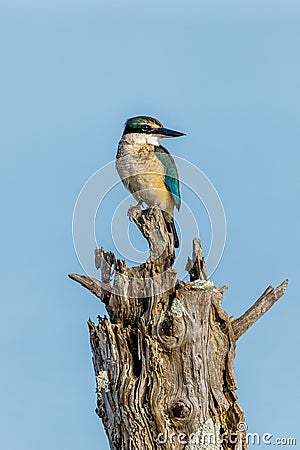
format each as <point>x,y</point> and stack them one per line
<point>258,309</point>
<point>93,285</point>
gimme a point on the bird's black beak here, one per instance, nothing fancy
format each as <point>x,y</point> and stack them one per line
<point>166,133</point>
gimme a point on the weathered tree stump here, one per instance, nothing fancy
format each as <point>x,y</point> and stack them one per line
<point>164,362</point>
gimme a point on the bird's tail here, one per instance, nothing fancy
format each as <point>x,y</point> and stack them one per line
<point>171,229</point>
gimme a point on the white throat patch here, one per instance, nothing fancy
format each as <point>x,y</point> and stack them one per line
<point>141,138</point>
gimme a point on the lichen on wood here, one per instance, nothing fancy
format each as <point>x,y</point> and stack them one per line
<point>164,360</point>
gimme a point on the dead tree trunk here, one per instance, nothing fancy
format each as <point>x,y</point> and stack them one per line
<point>164,362</point>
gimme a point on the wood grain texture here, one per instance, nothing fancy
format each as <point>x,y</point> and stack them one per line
<point>164,360</point>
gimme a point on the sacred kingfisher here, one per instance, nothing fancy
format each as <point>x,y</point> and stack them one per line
<point>147,169</point>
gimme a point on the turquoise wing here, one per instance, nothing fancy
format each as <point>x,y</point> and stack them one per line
<point>171,174</point>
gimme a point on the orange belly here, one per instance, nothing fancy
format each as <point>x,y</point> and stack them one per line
<point>151,189</point>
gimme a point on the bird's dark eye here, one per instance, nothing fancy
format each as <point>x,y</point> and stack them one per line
<point>146,128</point>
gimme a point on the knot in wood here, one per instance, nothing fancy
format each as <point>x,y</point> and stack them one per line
<point>180,410</point>
<point>171,332</point>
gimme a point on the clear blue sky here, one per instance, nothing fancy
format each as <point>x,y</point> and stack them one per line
<point>226,73</point>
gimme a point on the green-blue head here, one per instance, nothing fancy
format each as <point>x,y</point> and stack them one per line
<point>150,126</point>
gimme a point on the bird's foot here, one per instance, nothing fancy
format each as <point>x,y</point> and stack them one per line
<point>134,210</point>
